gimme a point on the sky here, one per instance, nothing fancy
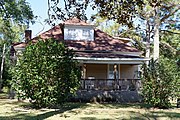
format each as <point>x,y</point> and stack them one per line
<point>40,9</point>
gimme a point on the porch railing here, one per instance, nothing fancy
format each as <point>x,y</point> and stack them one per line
<point>111,84</point>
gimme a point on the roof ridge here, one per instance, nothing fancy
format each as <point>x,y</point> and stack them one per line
<point>75,21</point>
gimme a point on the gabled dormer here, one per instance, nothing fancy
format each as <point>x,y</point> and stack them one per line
<point>74,29</point>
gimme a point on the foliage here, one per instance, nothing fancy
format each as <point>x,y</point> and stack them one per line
<point>170,48</point>
<point>7,76</point>
<point>159,82</point>
<point>170,44</point>
<point>11,32</point>
<point>110,27</point>
<point>47,73</point>
<point>121,11</point>
<point>14,16</point>
<point>16,10</point>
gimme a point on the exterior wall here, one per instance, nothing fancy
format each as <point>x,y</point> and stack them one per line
<point>77,33</point>
<point>98,71</point>
<point>128,71</point>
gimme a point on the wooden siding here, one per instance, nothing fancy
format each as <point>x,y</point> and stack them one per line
<point>128,71</point>
<point>98,71</point>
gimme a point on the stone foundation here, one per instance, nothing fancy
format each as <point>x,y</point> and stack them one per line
<point>106,96</point>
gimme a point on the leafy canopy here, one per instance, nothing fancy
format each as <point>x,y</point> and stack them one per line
<point>46,73</point>
<point>14,15</point>
<point>122,11</point>
<point>16,10</point>
<point>160,82</point>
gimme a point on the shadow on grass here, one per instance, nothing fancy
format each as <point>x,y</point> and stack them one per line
<point>154,115</point>
<point>25,116</point>
<point>93,118</point>
<point>166,114</point>
<point>125,105</point>
<point>30,116</point>
<point>157,115</point>
<point>129,115</point>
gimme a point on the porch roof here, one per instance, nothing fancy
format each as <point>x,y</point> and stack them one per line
<point>112,59</point>
<point>105,55</point>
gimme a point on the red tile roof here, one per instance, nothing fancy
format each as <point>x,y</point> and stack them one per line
<point>102,41</point>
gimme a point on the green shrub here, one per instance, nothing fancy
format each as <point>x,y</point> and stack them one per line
<point>46,73</point>
<point>160,82</point>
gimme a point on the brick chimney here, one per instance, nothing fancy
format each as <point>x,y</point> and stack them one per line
<point>28,34</point>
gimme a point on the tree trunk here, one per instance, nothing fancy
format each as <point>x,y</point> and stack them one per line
<point>156,34</point>
<point>147,55</point>
<point>2,66</point>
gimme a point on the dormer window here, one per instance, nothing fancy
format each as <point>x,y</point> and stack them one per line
<point>72,32</point>
<point>86,33</point>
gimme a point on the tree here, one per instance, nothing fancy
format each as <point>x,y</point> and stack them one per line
<point>46,73</point>
<point>110,27</point>
<point>160,82</point>
<point>121,11</point>
<point>14,14</point>
<point>170,49</point>
<point>152,19</point>
<point>170,45</point>
<point>16,11</point>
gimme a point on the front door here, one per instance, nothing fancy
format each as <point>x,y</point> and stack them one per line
<point>111,71</point>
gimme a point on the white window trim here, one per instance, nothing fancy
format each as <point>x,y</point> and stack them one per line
<point>79,33</point>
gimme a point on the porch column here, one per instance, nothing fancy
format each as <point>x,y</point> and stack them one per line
<point>84,74</point>
<point>115,75</point>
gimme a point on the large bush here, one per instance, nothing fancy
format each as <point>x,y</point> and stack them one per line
<point>160,82</point>
<point>46,73</point>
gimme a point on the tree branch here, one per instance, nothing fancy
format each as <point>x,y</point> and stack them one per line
<point>170,14</point>
<point>170,32</point>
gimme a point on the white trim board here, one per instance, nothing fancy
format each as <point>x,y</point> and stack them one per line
<point>112,60</point>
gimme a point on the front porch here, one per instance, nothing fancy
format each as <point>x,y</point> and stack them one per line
<point>122,77</point>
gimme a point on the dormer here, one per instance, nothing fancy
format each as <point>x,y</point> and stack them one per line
<point>75,29</point>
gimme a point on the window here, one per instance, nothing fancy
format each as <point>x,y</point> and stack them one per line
<point>111,71</point>
<point>72,33</point>
<point>78,33</point>
<point>86,33</point>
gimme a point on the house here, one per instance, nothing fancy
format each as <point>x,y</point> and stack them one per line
<point>107,63</point>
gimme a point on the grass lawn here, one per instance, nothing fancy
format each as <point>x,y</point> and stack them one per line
<point>14,110</point>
